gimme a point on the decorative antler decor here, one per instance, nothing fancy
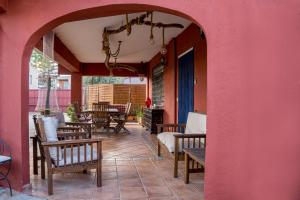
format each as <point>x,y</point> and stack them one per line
<point>140,20</point>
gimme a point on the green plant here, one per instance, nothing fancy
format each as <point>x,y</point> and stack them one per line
<point>139,112</point>
<point>71,113</point>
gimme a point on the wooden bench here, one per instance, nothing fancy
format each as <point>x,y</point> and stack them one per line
<point>195,155</point>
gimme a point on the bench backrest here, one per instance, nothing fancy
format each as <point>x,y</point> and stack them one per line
<point>196,123</point>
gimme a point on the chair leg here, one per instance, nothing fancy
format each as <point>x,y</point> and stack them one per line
<point>99,165</point>
<point>176,165</point>
<point>42,167</point>
<point>50,183</point>
<point>8,185</point>
<point>186,168</point>
<point>158,149</point>
<point>35,162</point>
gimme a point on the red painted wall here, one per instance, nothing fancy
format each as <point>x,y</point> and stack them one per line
<point>189,38</point>
<point>252,87</point>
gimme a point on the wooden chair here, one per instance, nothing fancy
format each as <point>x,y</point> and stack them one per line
<point>100,116</point>
<point>37,141</point>
<point>81,116</point>
<point>176,137</point>
<point>122,119</point>
<point>98,106</point>
<point>73,153</point>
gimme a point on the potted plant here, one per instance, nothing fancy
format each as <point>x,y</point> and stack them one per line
<point>139,114</point>
<point>71,113</point>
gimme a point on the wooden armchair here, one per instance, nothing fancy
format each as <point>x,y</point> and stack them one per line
<point>38,153</point>
<point>72,153</point>
<point>100,116</point>
<point>176,137</point>
<point>122,119</point>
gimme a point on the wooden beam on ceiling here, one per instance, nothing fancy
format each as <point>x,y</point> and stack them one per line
<point>65,57</point>
<point>62,55</point>
<point>99,69</point>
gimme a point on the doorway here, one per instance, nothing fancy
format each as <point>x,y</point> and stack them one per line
<point>185,85</point>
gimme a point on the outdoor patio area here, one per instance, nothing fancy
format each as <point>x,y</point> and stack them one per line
<point>131,170</point>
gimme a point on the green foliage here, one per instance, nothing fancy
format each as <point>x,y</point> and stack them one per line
<point>71,113</point>
<point>139,112</point>
<point>89,80</point>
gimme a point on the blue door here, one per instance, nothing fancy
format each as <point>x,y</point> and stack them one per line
<point>185,86</point>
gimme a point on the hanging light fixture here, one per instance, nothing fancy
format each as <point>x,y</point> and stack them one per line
<point>163,49</point>
<point>140,20</point>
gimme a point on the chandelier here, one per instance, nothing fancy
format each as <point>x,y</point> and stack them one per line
<point>140,20</point>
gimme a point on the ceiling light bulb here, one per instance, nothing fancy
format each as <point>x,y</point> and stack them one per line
<point>152,41</point>
<point>163,50</point>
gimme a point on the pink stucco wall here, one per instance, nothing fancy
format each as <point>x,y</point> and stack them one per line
<point>253,87</point>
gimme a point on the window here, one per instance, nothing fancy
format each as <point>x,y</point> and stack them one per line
<point>158,86</point>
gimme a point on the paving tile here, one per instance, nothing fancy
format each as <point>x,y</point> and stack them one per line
<point>158,191</point>
<point>132,182</point>
<point>132,193</point>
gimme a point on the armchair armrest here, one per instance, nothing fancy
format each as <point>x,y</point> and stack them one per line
<point>66,128</point>
<point>72,142</point>
<point>78,123</point>
<point>72,135</point>
<point>170,128</point>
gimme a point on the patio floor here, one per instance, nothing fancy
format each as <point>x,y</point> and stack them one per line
<point>131,170</point>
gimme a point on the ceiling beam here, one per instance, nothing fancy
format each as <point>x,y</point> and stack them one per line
<point>99,69</point>
<point>65,57</point>
<point>3,6</point>
<point>62,55</point>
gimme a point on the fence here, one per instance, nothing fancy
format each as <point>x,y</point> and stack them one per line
<point>117,94</point>
<point>63,99</point>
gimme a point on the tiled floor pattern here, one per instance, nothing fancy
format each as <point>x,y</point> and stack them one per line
<point>130,171</point>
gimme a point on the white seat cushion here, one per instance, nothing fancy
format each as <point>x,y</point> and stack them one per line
<point>168,139</point>
<point>4,158</point>
<point>75,155</point>
<point>196,123</point>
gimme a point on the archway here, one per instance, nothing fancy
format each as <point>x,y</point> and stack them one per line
<point>253,84</point>
<point>84,14</point>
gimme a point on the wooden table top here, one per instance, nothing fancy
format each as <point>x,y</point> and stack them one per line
<point>197,154</point>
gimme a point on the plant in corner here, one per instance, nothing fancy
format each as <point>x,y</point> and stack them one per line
<point>139,114</point>
<point>71,113</point>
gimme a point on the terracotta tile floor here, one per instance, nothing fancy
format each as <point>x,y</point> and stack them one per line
<point>130,171</point>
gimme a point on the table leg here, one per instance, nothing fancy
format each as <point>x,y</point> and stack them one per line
<point>186,168</point>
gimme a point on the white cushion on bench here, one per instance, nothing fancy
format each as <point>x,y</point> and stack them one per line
<point>196,123</point>
<point>168,139</point>
<point>75,155</point>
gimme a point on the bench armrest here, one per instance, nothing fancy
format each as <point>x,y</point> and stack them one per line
<point>191,135</point>
<point>170,128</point>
